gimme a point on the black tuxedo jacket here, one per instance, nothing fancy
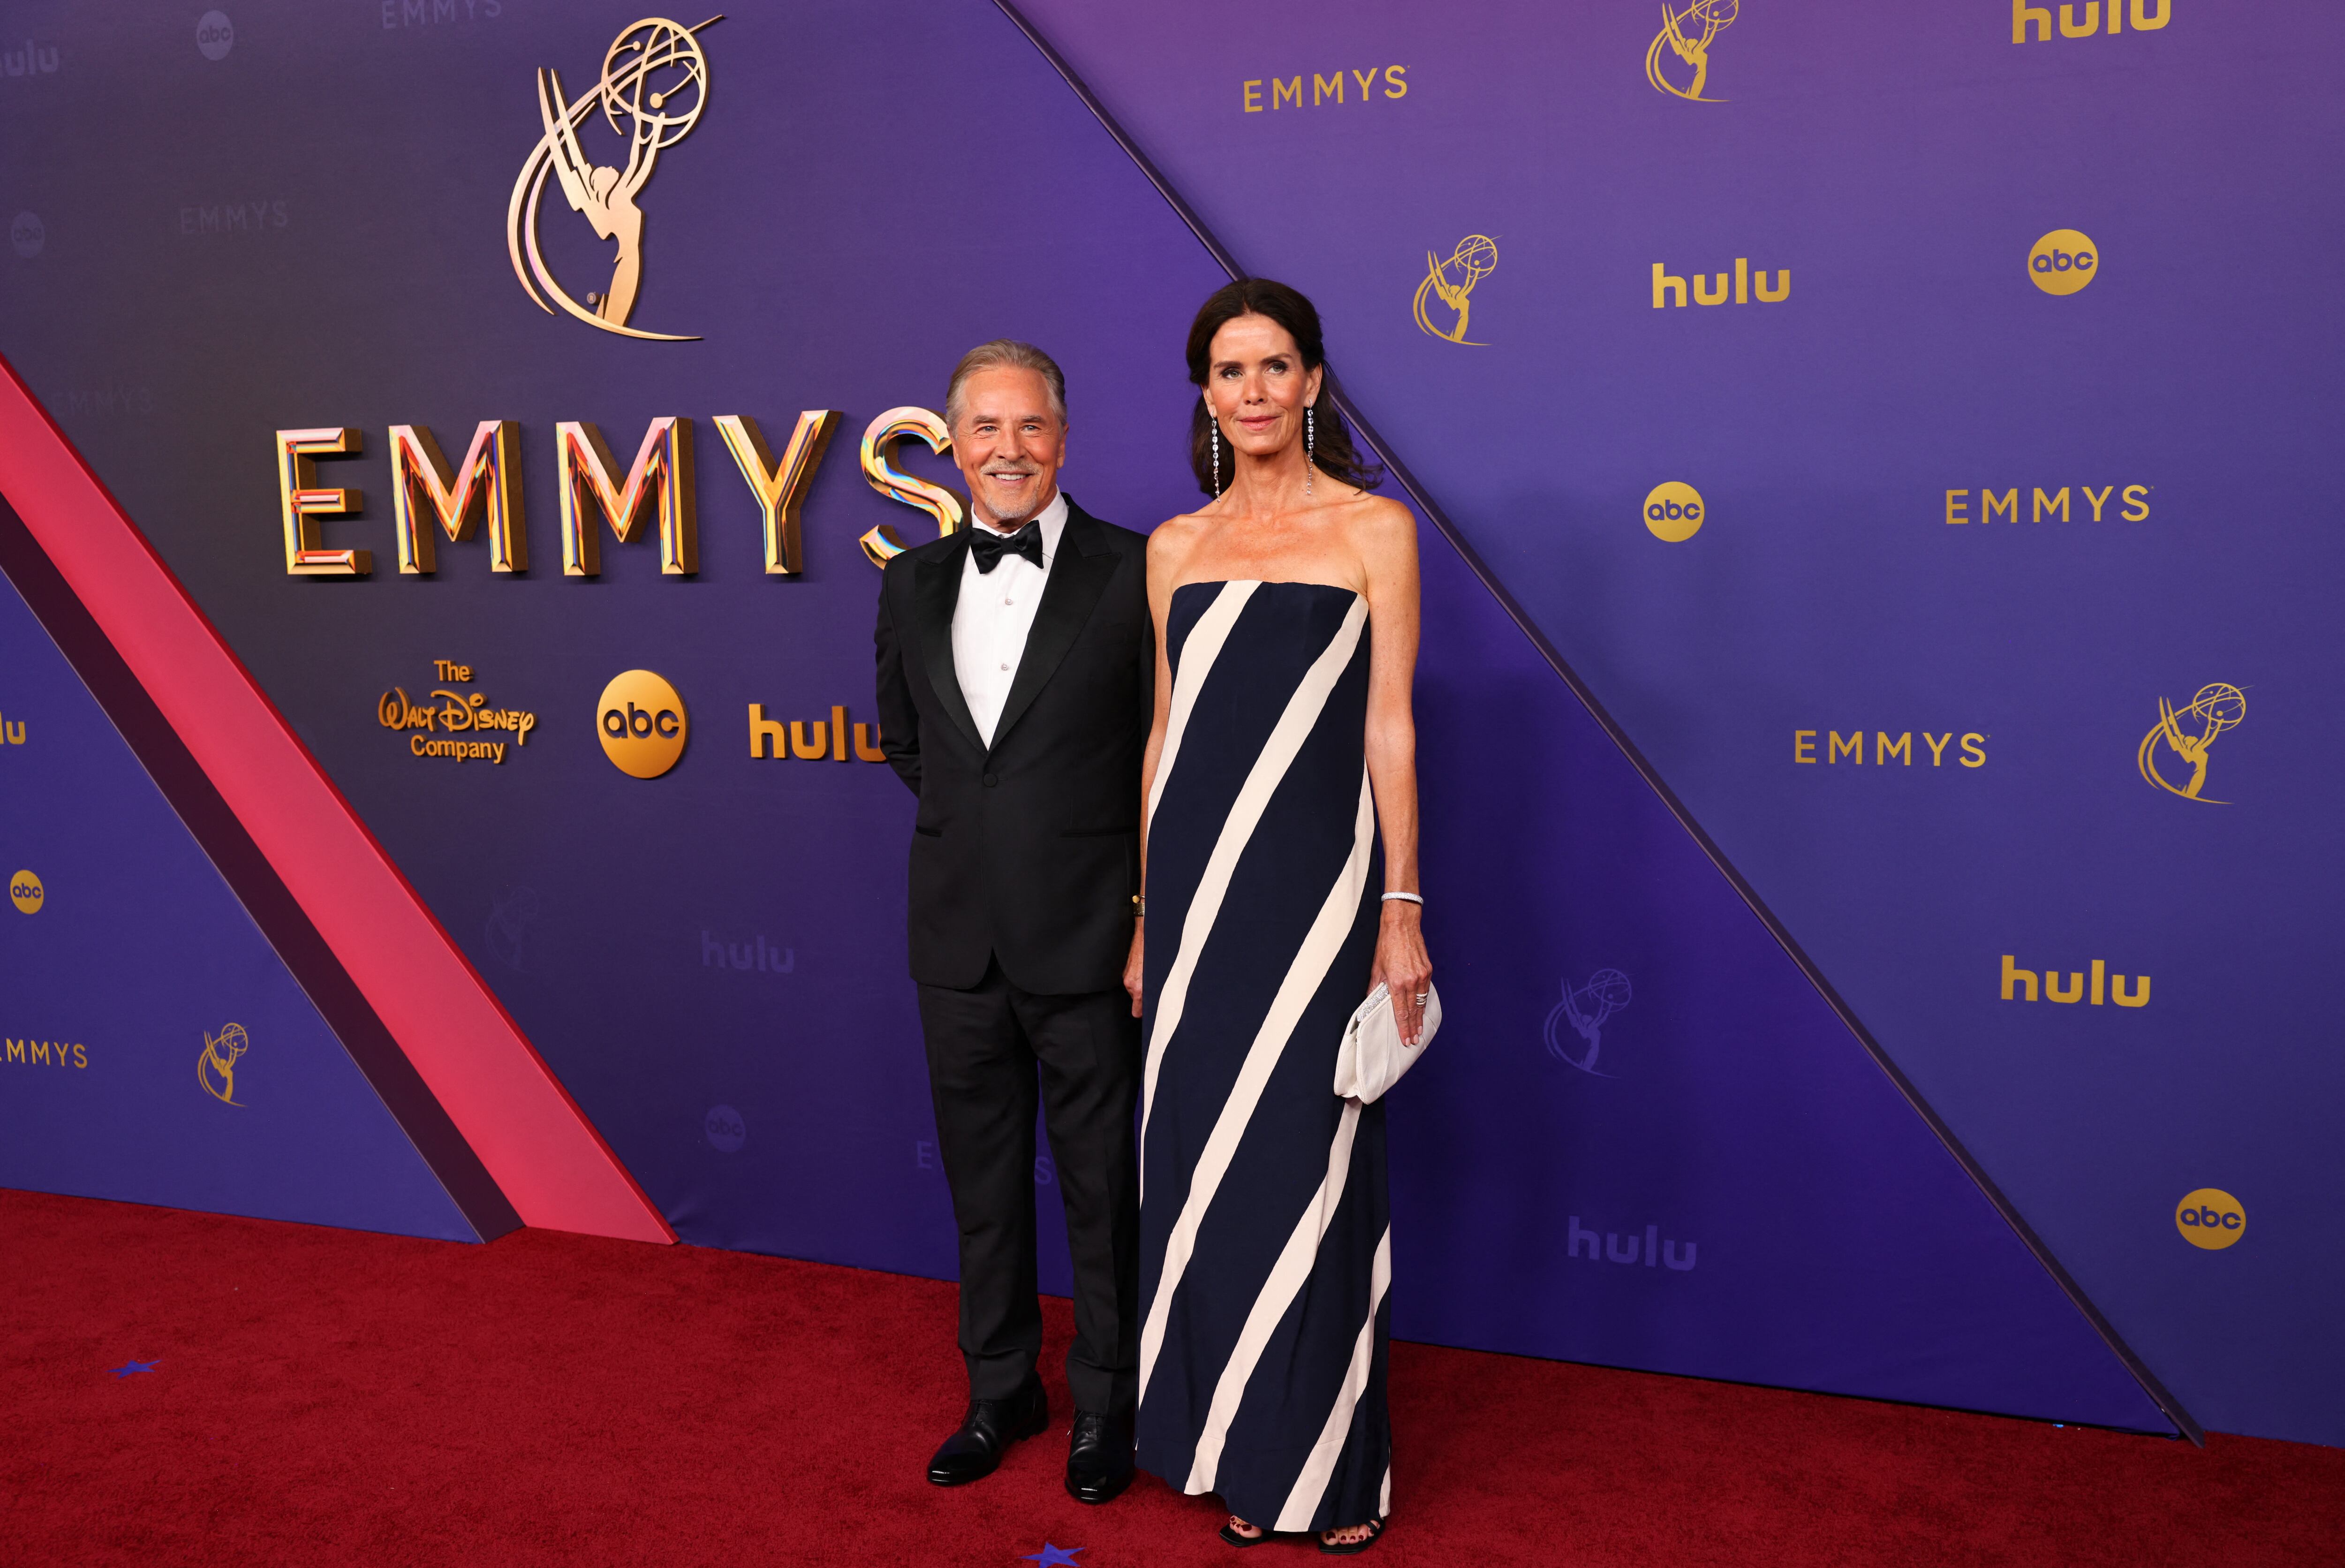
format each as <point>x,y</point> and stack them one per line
<point>1027,850</point>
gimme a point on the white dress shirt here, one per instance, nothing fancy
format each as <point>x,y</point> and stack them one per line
<point>993,614</point>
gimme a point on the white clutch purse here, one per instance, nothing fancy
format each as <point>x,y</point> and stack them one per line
<point>1372,1057</point>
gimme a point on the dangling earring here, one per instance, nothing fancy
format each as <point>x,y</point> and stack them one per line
<point>1216,423</point>
<point>1310,448</point>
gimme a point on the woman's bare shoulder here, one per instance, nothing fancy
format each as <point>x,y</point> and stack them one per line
<point>1173,538</point>
<point>1378,524</point>
<point>1169,546</point>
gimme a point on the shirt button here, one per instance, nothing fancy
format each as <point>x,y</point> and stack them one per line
<point>1005,666</point>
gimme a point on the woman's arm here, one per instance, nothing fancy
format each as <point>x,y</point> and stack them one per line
<point>1165,546</point>
<point>1385,535</point>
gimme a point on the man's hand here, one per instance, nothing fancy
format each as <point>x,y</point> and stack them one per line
<point>1131,970</point>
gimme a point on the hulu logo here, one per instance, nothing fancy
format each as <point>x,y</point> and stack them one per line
<point>755,957</point>
<point>2148,17</point>
<point>1721,288</point>
<point>1649,1249</point>
<point>2020,984</point>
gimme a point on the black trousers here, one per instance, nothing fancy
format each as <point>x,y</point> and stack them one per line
<point>990,1051</point>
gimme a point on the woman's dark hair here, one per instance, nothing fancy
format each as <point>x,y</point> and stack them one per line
<point>1333,448</point>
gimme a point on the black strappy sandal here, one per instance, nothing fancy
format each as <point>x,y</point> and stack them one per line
<point>1354,1548</point>
<point>1235,1539</point>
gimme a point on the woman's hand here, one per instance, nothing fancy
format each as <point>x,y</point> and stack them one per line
<point>1402,965</point>
<point>1131,970</point>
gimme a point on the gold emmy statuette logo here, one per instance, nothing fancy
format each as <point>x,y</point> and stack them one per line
<point>216,1068</point>
<point>1475,257</point>
<point>643,724</point>
<point>655,79</point>
<point>26,892</point>
<point>2062,261</point>
<point>2186,733</point>
<point>2210,1218</point>
<point>1674,512</point>
<point>1687,34</point>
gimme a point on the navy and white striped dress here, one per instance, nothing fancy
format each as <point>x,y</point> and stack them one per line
<point>1265,1246</point>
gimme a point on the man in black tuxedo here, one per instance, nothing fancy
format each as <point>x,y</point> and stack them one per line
<point>1016,666</point>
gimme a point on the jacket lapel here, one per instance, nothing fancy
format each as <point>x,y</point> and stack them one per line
<point>1079,576</point>
<point>936,590</point>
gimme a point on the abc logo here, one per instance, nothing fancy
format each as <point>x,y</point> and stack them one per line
<point>25,892</point>
<point>641,722</point>
<point>27,233</point>
<point>2211,1217</point>
<point>2062,261</point>
<point>1674,512</point>
<point>725,1129</point>
<point>214,34</point>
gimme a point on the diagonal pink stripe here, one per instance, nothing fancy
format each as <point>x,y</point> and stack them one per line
<point>551,1164</point>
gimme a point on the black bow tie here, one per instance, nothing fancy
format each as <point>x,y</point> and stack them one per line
<point>989,546</point>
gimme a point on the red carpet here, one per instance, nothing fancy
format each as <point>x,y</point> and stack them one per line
<point>327,1397</point>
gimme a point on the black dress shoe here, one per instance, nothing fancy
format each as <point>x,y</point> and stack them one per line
<point>1099,1457</point>
<point>975,1452</point>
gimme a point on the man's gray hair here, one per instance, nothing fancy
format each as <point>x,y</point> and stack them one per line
<point>1005,353</point>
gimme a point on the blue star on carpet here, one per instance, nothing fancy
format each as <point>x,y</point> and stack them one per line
<point>1055,1556</point>
<point>137,1367</point>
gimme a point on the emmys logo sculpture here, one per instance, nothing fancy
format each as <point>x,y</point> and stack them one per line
<point>1687,34</point>
<point>216,1068</point>
<point>1585,1008</point>
<point>656,78</point>
<point>1475,257</point>
<point>2187,733</point>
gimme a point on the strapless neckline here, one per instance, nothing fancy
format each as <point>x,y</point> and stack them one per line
<point>1265,583</point>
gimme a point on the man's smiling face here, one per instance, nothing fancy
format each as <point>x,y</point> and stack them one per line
<point>1009,442</point>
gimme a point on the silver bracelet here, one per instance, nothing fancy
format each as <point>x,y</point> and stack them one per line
<point>1409,898</point>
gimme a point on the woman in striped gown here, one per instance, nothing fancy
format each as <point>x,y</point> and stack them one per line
<point>1281,866</point>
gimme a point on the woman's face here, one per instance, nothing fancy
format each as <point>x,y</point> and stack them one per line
<point>1255,385</point>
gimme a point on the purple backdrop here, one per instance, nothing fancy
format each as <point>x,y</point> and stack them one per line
<point>1901,163</point>
<point>128,963</point>
<point>1633,1057</point>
